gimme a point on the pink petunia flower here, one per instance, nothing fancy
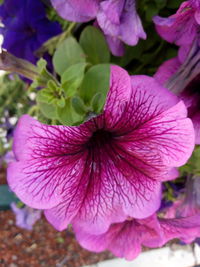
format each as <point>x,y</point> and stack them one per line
<point>183,27</point>
<point>111,166</point>
<point>183,79</point>
<point>127,238</point>
<point>118,19</point>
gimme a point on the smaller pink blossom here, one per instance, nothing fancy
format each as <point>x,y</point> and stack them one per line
<point>127,238</point>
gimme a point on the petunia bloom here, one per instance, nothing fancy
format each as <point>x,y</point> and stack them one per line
<point>26,217</point>
<point>127,238</point>
<point>26,27</point>
<point>183,27</point>
<point>117,19</point>
<point>183,79</point>
<point>109,167</point>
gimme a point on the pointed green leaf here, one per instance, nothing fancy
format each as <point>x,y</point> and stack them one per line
<point>68,53</point>
<point>96,80</point>
<point>48,110</point>
<point>78,105</point>
<point>96,102</point>
<point>94,45</point>
<point>71,79</point>
<point>67,115</point>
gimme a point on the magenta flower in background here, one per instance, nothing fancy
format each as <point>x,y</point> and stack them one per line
<point>127,238</point>
<point>26,217</point>
<point>183,79</point>
<point>117,19</point>
<point>111,166</point>
<point>183,27</point>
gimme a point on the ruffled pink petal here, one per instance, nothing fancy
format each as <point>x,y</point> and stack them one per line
<point>196,123</point>
<point>118,95</point>
<point>171,175</point>
<point>34,140</point>
<point>119,19</point>
<point>180,28</point>
<point>123,239</point>
<point>116,189</point>
<point>49,159</point>
<point>197,15</point>
<point>116,46</point>
<point>187,229</point>
<point>183,52</point>
<point>170,141</point>
<point>166,70</point>
<point>155,128</point>
<point>131,27</point>
<point>109,16</point>
<point>76,10</point>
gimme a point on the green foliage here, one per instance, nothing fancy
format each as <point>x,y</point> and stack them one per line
<point>48,110</point>
<point>72,78</point>
<point>96,80</point>
<point>94,45</point>
<point>67,115</point>
<point>67,54</point>
<point>13,96</point>
<point>192,166</point>
<point>149,54</point>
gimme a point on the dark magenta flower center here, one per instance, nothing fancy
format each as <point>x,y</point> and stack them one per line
<point>100,138</point>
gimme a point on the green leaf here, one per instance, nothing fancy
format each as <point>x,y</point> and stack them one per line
<point>60,102</point>
<point>71,79</point>
<point>95,102</point>
<point>78,105</point>
<point>96,80</point>
<point>161,3</point>
<point>43,96</point>
<point>67,115</point>
<point>94,45</point>
<point>68,53</point>
<point>151,11</point>
<point>192,166</point>
<point>48,110</point>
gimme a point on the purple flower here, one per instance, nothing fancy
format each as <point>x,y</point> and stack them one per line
<point>127,238</point>
<point>9,157</point>
<point>111,166</point>
<point>26,217</point>
<point>183,79</point>
<point>183,27</point>
<point>118,19</point>
<point>26,27</point>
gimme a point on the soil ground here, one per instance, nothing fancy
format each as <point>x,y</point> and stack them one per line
<point>43,246</point>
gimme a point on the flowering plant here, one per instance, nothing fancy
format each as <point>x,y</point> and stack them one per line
<point>103,118</point>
